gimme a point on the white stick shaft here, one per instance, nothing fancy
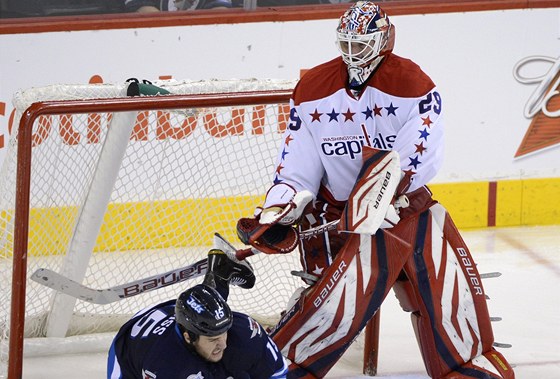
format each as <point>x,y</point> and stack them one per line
<point>70,287</point>
<point>312,232</point>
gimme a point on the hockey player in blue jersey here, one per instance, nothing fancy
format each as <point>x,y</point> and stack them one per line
<point>197,336</point>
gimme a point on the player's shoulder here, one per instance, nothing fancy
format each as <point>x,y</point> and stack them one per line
<point>166,307</point>
<point>245,327</point>
<point>321,81</point>
<point>401,77</point>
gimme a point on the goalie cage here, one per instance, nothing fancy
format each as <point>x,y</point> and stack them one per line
<point>107,205</point>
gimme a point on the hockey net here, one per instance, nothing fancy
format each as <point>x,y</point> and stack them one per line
<point>123,188</point>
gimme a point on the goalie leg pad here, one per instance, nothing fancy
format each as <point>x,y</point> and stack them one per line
<point>316,331</point>
<point>490,364</point>
<point>451,322</point>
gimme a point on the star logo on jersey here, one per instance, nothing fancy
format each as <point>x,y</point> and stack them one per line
<point>368,113</point>
<point>316,116</point>
<point>333,116</point>
<point>543,106</point>
<point>427,121</point>
<point>377,110</point>
<point>414,162</point>
<point>410,173</point>
<point>285,152</point>
<point>289,139</point>
<point>348,115</point>
<point>424,134</point>
<point>391,109</point>
<point>420,148</point>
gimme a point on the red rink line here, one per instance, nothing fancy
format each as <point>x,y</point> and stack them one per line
<point>492,197</point>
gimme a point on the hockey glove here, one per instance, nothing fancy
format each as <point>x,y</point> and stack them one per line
<point>272,230</point>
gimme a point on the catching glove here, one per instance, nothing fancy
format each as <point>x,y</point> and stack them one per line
<point>272,230</point>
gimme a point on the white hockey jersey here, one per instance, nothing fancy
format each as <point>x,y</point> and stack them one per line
<point>399,107</point>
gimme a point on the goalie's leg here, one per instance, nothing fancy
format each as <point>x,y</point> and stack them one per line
<point>443,290</point>
<point>316,331</point>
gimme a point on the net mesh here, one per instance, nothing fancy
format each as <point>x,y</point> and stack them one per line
<point>184,175</point>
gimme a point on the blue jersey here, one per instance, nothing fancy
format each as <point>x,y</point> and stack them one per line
<point>151,346</point>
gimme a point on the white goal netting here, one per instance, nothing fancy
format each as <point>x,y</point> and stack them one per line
<point>107,209</point>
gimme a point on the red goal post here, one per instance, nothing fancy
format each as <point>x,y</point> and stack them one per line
<point>106,189</point>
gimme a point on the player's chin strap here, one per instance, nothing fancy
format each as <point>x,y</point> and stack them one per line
<point>272,229</point>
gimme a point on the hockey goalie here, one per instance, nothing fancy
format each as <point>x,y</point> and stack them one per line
<point>365,137</point>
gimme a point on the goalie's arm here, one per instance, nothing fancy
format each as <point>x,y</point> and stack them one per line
<point>298,164</point>
<point>422,151</point>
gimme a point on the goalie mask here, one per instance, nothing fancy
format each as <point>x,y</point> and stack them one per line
<point>201,310</point>
<point>364,35</point>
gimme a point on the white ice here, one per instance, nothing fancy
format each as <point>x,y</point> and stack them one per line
<point>526,296</point>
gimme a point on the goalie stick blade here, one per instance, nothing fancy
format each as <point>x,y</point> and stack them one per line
<point>72,288</point>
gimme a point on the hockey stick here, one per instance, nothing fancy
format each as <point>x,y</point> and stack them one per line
<point>312,232</point>
<point>109,295</point>
<point>70,287</point>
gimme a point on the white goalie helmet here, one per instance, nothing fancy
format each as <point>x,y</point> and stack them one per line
<point>364,35</point>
